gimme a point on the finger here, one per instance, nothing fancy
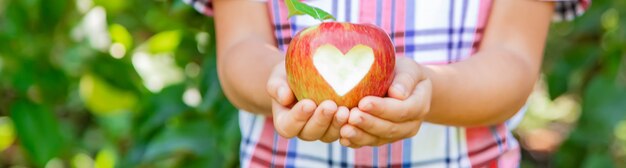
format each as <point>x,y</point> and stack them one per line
<point>341,118</point>
<point>388,108</point>
<point>380,127</point>
<point>280,92</point>
<point>289,122</point>
<point>278,88</point>
<point>317,125</point>
<point>345,142</point>
<point>414,107</point>
<point>358,137</point>
<point>402,85</point>
<point>407,75</point>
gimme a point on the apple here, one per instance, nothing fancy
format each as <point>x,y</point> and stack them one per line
<point>338,61</point>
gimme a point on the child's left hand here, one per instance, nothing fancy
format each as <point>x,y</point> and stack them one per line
<point>379,120</point>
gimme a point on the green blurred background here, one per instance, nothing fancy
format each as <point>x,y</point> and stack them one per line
<point>117,83</point>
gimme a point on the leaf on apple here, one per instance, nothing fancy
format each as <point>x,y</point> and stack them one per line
<point>295,7</point>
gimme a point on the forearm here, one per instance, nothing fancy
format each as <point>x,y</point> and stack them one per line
<point>246,53</point>
<point>486,89</point>
<point>244,77</point>
<point>493,84</point>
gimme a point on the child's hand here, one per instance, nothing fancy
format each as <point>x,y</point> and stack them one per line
<point>379,121</point>
<point>304,118</point>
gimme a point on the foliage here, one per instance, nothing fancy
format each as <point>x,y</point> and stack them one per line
<point>111,83</point>
<point>586,59</point>
<point>120,83</point>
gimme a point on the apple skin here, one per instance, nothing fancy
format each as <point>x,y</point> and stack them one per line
<point>306,82</point>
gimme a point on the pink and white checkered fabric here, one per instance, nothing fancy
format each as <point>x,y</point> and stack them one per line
<point>429,32</point>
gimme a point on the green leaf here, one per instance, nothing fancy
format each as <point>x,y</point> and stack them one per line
<point>572,151</point>
<point>195,140</point>
<point>75,60</point>
<point>602,109</point>
<point>162,20</point>
<point>102,98</point>
<point>598,160</point>
<point>38,131</point>
<point>119,34</point>
<point>7,133</point>
<point>51,13</point>
<point>106,158</point>
<point>117,125</point>
<point>24,75</point>
<point>52,84</point>
<point>118,73</point>
<point>209,84</point>
<point>192,136</point>
<point>159,109</point>
<point>113,6</point>
<point>164,42</point>
<point>296,7</point>
<point>558,79</point>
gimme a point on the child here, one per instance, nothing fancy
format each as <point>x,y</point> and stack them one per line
<point>464,69</point>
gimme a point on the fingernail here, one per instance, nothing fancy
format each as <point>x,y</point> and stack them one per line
<point>281,93</point>
<point>368,106</point>
<point>400,89</point>
<point>342,116</point>
<point>305,109</point>
<point>329,112</point>
<point>344,142</point>
<point>350,133</point>
<point>357,120</point>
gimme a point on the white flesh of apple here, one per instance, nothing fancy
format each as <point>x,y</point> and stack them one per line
<point>343,72</point>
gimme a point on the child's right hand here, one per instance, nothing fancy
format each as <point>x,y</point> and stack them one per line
<point>304,118</point>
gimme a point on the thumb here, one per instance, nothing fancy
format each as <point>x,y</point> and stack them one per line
<point>408,74</point>
<point>285,96</point>
<point>402,85</point>
<point>278,89</point>
<point>280,92</point>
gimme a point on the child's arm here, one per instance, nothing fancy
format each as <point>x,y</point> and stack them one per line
<point>250,66</point>
<point>486,89</point>
<point>246,53</point>
<point>495,83</point>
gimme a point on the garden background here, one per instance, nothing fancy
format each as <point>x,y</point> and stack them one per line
<point>117,83</point>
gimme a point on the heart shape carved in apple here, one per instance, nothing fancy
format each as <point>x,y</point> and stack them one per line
<point>341,62</point>
<point>343,71</point>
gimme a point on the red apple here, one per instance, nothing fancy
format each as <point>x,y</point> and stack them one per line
<point>343,62</point>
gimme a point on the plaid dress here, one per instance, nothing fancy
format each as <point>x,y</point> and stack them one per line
<point>429,32</point>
